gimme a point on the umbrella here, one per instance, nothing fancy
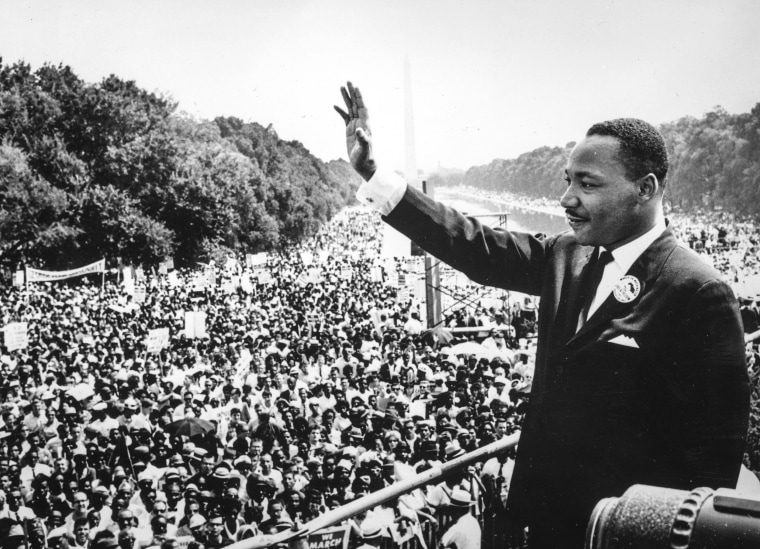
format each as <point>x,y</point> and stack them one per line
<point>189,427</point>
<point>436,337</point>
<point>470,348</point>
<point>81,391</point>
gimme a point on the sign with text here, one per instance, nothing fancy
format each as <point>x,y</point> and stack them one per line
<point>157,339</point>
<point>139,294</point>
<point>16,336</point>
<point>329,538</point>
<point>37,275</point>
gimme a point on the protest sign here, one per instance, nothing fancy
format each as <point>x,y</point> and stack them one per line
<point>16,336</point>
<point>157,339</point>
<point>139,294</point>
<point>256,260</point>
<point>195,324</point>
<point>264,277</point>
<point>329,538</point>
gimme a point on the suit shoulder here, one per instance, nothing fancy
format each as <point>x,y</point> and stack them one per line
<point>566,245</point>
<point>691,267</point>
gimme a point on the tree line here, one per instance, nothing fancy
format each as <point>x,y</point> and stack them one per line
<point>714,164</point>
<point>110,170</point>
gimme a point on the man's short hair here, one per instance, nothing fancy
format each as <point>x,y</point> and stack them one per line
<point>642,147</point>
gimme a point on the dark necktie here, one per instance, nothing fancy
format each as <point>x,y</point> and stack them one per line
<point>592,283</point>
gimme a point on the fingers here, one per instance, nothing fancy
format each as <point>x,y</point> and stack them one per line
<point>358,100</point>
<point>343,114</point>
<point>362,136</point>
<point>354,106</point>
<point>354,101</point>
<point>346,97</point>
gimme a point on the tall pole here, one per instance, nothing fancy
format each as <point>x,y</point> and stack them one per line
<point>432,279</point>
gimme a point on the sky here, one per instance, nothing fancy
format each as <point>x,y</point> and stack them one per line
<point>489,78</point>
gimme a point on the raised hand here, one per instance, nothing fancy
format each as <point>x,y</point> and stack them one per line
<point>358,134</point>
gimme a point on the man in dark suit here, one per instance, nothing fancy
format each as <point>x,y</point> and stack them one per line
<point>640,375</point>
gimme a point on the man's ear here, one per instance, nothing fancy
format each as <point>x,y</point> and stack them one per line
<point>648,187</point>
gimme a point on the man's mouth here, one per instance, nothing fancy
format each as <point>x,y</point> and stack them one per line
<point>575,221</point>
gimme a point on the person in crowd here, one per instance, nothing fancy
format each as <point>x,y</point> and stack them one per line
<point>465,532</point>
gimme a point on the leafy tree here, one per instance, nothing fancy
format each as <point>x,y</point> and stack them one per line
<point>34,215</point>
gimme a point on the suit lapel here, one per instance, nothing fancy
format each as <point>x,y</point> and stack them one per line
<point>570,297</point>
<point>645,269</point>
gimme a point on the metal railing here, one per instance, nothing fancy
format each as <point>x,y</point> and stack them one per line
<point>430,529</point>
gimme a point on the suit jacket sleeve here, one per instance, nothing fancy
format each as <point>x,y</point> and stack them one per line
<point>707,390</point>
<point>489,256</point>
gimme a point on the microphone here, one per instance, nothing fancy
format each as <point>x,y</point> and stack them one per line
<point>649,517</point>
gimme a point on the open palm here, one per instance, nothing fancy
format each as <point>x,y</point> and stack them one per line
<point>358,134</point>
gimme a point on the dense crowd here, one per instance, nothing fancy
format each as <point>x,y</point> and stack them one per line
<point>315,383</point>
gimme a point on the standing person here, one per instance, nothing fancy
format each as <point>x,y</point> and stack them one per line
<point>464,532</point>
<point>639,371</point>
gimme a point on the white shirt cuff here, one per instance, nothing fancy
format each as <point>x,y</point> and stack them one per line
<point>383,191</point>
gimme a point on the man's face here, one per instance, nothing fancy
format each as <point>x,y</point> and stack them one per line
<point>288,481</point>
<point>126,538</point>
<point>214,526</point>
<point>173,493</point>
<point>81,532</point>
<point>14,500</point>
<point>207,465</point>
<point>80,502</point>
<point>125,519</point>
<point>601,203</point>
<point>93,518</point>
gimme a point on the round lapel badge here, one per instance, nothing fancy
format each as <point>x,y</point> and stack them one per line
<point>627,289</point>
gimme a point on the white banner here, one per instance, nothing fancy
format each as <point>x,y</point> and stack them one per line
<point>37,275</point>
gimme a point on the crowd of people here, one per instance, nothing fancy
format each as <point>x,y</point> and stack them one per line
<point>313,383</point>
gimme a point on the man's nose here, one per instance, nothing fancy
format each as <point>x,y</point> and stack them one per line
<point>569,199</point>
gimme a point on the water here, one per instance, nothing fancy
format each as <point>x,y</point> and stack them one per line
<point>518,219</point>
